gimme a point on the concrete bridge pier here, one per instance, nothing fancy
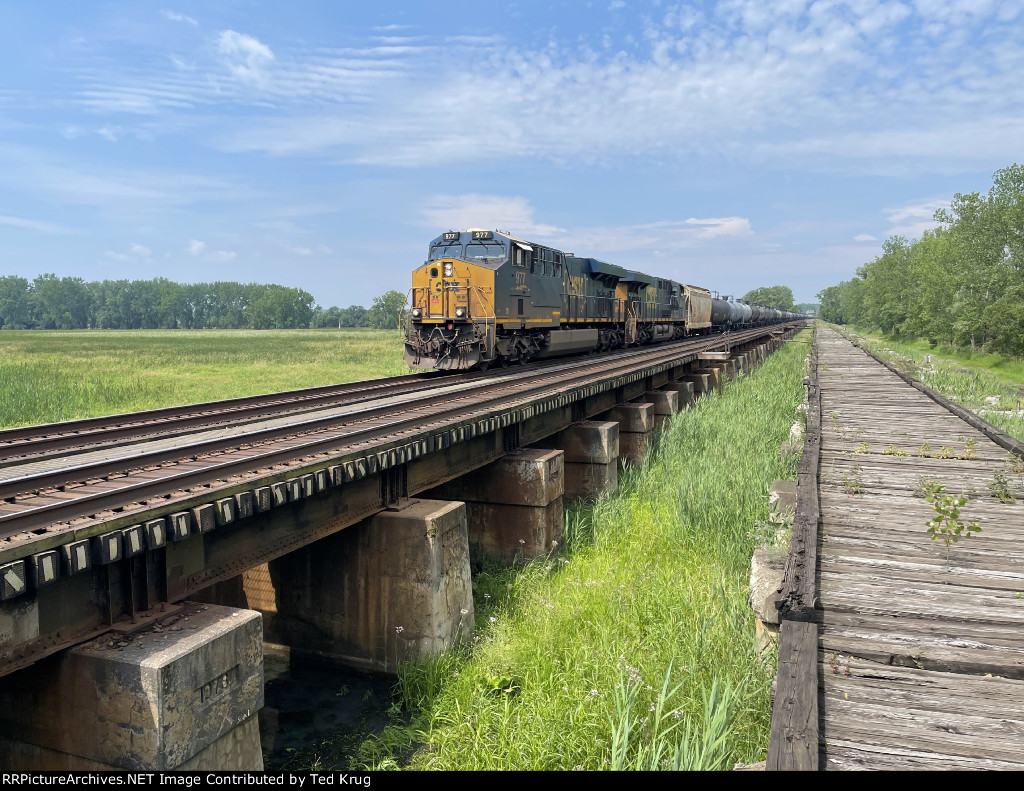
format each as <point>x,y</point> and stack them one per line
<point>666,404</point>
<point>393,587</point>
<point>699,380</point>
<point>591,460</point>
<point>182,693</point>
<point>636,421</point>
<point>684,391</point>
<point>713,374</point>
<point>514,505</point>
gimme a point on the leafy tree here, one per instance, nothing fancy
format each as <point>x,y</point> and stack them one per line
<point>354,316</point>
<point>779,297</point>
<point>15,303</point>
<point>384,313</point>
<point>962,283</point>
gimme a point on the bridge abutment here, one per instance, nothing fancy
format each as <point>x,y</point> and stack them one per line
<point>182,693</point>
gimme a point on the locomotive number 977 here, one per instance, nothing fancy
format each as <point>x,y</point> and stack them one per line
<point>485,297</point>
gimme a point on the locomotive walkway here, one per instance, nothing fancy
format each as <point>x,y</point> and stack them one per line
<point>890,656</point>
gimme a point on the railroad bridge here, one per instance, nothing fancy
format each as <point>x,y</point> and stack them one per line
<point>146,558</point>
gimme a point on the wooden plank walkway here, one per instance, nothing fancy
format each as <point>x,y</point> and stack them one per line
<point>919,664</point>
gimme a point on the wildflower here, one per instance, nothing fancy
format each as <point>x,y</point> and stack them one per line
<point>595,693</point>
<point>492,619</point>
<point>399,629</point>
<point>487,595</point>
<point>521,541</point>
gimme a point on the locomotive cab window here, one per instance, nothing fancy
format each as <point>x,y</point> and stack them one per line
<point>485,251</point>
<point>439,251</point>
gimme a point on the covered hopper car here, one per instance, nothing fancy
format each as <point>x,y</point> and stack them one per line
<point>485,297</point>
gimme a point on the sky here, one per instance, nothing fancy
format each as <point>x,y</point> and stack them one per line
<point>322,145</point>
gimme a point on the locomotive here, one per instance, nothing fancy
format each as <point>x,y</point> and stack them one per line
<point>487,297</point>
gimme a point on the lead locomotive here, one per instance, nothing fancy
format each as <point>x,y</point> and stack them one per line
<point>486,297</point>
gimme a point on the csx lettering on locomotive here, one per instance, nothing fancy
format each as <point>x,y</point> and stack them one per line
<point>485,297</point>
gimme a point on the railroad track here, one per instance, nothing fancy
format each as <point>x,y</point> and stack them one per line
<point>33,443</point>
<point>209,444</point>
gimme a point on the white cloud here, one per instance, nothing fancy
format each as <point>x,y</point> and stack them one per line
<point>864,237</point>
<point>111,133</point>
<point>245,56</point>
<point>195,247</point>
<point>722,226</point>
<point>320,249</point>
<point>819,85</point>
<point>224,255</point>
<point>140,249</point>
<point>914,219</point>
<point>33,225</point>
<point>116,256</point>
<point>515,214</point>
<point>176,17</point>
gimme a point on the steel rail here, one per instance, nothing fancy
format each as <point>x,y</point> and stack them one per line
<point>88,434</point>
<point>410,416</point>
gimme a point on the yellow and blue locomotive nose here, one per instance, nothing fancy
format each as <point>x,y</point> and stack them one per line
<point>449,297</point>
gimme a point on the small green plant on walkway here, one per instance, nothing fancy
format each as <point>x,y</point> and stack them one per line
<point>946,525</point>
<point>1000,487</point>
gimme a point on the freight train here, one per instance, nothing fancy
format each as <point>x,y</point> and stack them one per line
<point>486,297</point>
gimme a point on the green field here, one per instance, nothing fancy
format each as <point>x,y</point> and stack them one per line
<point>47,376</point>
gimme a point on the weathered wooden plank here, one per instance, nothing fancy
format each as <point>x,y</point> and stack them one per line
<point>903,727</point>
<point>793,738</point>
<point>797,594</point>
<point>845,755</point>
<point>877,595</point>
<point>918,567</point>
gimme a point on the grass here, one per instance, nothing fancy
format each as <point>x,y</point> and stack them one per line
<point>990,386</point>
<point>636,647</point>
<point>46,376</point>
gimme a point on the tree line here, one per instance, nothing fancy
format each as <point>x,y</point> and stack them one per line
<point>961,284</point>
<point>778,297</point>
<point>71,303</point>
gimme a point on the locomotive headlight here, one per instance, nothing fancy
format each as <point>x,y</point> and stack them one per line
<point>448,268</point>
<point>460,313</point>
<point>417,313</point>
